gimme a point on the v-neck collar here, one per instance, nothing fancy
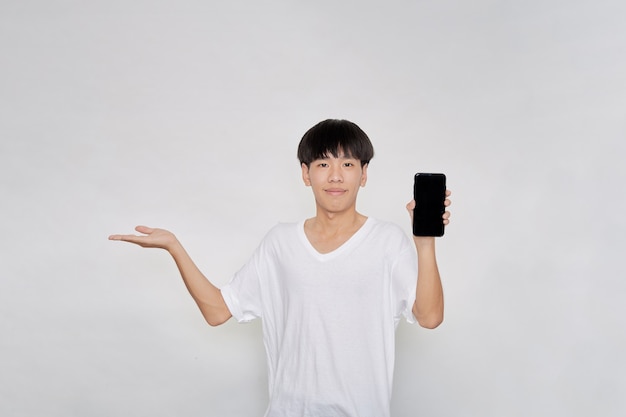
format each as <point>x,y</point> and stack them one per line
<point>344,247</point>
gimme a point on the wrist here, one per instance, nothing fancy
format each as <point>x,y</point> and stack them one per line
<point>424,242</point>
<point>174,246</point>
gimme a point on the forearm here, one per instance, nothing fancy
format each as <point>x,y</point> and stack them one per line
<point>429,305</point>
<point>206,295</point>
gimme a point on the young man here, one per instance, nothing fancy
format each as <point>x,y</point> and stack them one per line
<point>330,290</point>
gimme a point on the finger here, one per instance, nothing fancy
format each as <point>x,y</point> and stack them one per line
<point>447,202</point>
<point>122,237</point>
<point>446,218</point>
<point>448,193</point>
<point>144,229</point>
<point>128,238</point>
<point>410,205</point>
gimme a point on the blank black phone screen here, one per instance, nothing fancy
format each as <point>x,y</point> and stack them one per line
<point>429,192</point>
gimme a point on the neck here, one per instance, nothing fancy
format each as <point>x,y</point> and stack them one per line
<point>337,221</point>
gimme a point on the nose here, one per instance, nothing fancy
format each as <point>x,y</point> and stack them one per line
<point>335,174</point>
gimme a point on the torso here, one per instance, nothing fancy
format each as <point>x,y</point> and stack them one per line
<point>328,319</point>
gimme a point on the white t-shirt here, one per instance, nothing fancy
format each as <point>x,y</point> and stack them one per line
<point>329,319</point>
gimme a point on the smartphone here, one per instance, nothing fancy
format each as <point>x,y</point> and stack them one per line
<point>429,192</point>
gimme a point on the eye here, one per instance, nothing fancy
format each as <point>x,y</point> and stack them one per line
<point>322,164</point>
<point>348,164</point>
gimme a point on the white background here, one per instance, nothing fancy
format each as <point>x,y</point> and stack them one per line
<point>186,115</point>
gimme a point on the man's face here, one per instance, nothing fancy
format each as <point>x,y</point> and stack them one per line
<point>335,182</point>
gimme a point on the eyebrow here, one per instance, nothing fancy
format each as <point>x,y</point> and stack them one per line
<point>341,156</point>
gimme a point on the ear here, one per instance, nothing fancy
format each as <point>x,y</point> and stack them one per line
<point>364,175</point>
<point>305,175</point>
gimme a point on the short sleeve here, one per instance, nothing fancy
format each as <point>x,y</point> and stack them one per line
<point>243,293</point>
<point>404,284</point>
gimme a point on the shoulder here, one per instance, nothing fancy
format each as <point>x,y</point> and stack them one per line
<point>282,229</point>
<point>277,238</point>
<point>389,234</point>
<point>281,232</point>
<point>387,228</point>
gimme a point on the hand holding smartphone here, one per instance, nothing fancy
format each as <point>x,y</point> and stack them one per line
<point>429,192</point>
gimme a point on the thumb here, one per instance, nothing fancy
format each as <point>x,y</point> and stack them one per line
<point>144,229</point>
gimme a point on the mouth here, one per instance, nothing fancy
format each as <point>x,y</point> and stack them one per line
<point>335,191</point>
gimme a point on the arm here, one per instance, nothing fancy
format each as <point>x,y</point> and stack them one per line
<point>206,295</point>
<point>428,307</point>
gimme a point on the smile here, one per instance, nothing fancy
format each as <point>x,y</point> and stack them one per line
<point>335,191</point>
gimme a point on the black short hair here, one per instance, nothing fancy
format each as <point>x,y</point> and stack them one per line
<point>331,136</point>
